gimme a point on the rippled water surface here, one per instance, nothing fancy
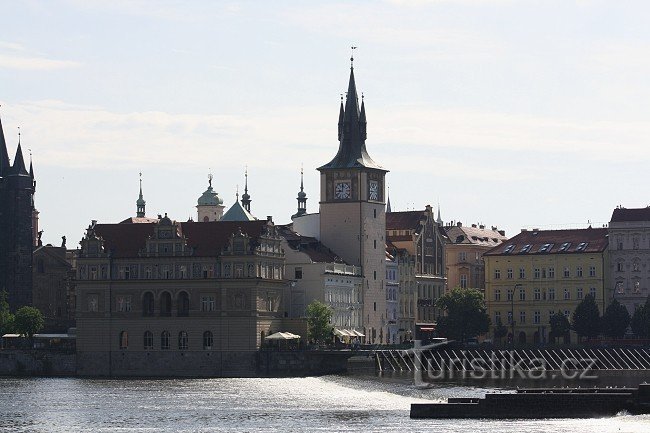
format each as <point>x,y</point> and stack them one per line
<point>333,403</point>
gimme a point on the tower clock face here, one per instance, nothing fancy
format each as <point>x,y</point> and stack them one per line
<point>373,190</point>
<point>342,190</point>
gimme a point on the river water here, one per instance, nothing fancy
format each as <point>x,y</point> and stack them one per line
<point>331,403</point>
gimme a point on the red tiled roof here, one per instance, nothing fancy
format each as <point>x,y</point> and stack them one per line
<point>474,235</point>
<point>622,214</point>
<point>404,220</point>
<point>553,242</point>
<point>315,250</point>
<point>208,238</point>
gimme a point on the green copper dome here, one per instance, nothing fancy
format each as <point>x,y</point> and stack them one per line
<point>210,198</point>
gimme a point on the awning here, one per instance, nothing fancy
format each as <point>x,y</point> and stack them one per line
<point>282,336</point>
<point>342,332</point>
<point>357,333</point>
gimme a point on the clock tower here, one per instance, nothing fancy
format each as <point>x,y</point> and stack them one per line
<point>352,211</point>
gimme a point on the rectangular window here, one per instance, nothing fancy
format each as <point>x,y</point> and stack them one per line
<point>551,272</point>
<point>497,274</point>
<point>497,295</point>
<point>579,271</point>
<point>551,313</point>
<point>567,272</point>
<point>207,303</point>
<point>544,273</point>
<point>551,294</point>
<point>538,294</point>
<point>463,281</point>
<point>522,273</point>
<point>538,273</point>
<point>509,276</point>
<point>510,294</point>
<point>592,271</point>
<point>509,317</point>
<point>298,273</point>
<point>567,294</point>
<point>123,303</point>
<point>592,292</point>
<point>497,316</point>
<point>522,317</point>
<point>579,293</point>
<point>537,317</point>
<point>462,256</point>
<point>522,294</point>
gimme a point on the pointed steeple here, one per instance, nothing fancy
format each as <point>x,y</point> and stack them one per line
<point>388,202</point>
<point>439,219</point>
<point>4,155</point>
<point>31,167</point>
<point>19,162</point>
<point>302,198</point>
<point>245,198</point>
<point>352,151</point>
<point>140,203</point>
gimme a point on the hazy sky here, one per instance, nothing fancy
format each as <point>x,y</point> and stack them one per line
<point>509,113</point>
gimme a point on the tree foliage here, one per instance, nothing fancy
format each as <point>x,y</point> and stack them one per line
<point>6,318</point>
<point>641,320</point>
<point>615,320</point>
<point>560,325</point>
<point>586,318</point>
<point>465,314</point>
<point>28,321</point>
<point>319,316</point>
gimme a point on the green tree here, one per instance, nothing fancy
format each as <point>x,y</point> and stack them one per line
<point>615,320</point>
<point>319,316</point>
<point>641,320</point>
<point>500,330</point>
<point>465,314</point>
<point>28,321</point>
<point>560,326</point>
<point>6,318</point>
<point>586,318</point>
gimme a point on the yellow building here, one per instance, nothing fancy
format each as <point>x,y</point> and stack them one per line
<point>539,273</point>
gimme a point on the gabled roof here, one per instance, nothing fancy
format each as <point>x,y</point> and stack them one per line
<point>237,213</point>
<point>207,238</point>
<point>474,236</point>
<point>622,214</point>
<point>139,220</point>
<point>312,247</point>
<point>579,241</point>
<point>408,220</point>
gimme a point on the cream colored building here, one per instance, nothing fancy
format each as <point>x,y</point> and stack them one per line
<point>538,273</point>
<point>464,253</point>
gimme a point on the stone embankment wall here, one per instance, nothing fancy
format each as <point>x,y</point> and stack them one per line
<point>302,363</point>
<point>37,363</point>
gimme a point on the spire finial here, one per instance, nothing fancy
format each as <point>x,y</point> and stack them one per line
<point>210,179</point>
<point>352,57</point>
<point>246,179</point>
<point>19,136</point>
<point>237,191</point>
<point>140,203</point>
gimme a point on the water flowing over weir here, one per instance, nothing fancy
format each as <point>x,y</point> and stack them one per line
<point>552,359</point>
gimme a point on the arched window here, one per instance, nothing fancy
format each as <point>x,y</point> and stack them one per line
<point>124,340</point>
<point>148,340</point>
<point>182,340</point>
<point>164,340</point>
<point>208,340</point>
<point>165,304</point>
<point>147,304</point>
<point>183,303</point>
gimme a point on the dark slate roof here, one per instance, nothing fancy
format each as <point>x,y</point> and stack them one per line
<point>315,250</point>
<point>207,238</point>
<point>139,220</point>
<point>474,236</point>
<point>622,214</point>
<point>588,240</point>
<point>352,151</point>
<point>408,220</point>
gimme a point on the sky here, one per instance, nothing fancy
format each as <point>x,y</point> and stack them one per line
<point>505,113</point>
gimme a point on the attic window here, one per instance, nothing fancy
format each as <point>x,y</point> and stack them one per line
<point>545,248</point>
<point>525,248</point>
<point>564,246</point>
<point>581,246</point>
<point>508,249</point>
<point>460,239</point>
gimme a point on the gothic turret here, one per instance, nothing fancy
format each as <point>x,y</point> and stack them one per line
<point>140,203</point>
<point>245,198</point>
<point>302,198</point>
<point>4,155</point>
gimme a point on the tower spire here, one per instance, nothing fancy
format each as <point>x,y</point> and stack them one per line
<point>245,198</point>
<point>388,201</point>
<point>19,161</point>
<point>4,155</point>
<point>439,219</point>
<point>302,197</point>
<point>140,203</point>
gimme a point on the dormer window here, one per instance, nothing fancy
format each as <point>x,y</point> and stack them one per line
<point>545,248</point>
<point>509,249</point>
<point>525,248</point>
<point>564,246</point>
<point>581,246</point>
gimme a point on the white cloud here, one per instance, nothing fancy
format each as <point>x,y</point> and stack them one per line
<point>34,63</point>
<point>14,46</point>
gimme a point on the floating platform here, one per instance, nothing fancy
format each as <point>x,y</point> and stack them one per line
<point>542,403</point>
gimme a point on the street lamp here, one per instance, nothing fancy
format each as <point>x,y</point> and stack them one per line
<point>512,312</point>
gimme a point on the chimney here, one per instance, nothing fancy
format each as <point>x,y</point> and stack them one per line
<point>481,226</point>
<point>473,226</point>
<point>459,224</point>
<point>269,218</point>
<point>524,230</point>
<point>502,232</point>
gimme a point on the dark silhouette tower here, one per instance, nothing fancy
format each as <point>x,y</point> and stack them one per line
<point>17,188</point>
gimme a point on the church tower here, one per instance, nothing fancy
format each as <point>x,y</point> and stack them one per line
<point>209,207</point>
<point>302,199</point>
<point>140,203</point>
<point>17,188</point>
<point>352,211</point>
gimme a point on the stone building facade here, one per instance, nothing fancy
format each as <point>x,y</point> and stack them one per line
<point>419,242</point>
<point>629,256</point>
<point>538,273</point>
<point>167,298</point>
<point>17,216</point>
<point>464,254</point>
<point>54,287</point>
